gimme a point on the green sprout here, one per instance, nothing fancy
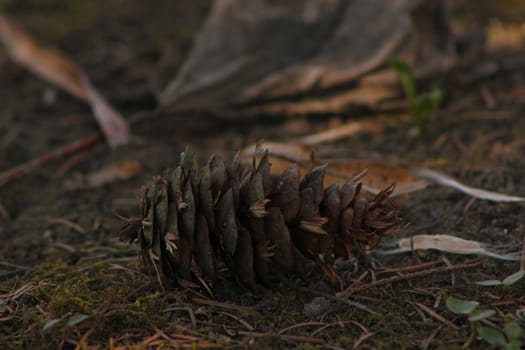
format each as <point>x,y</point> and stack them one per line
<point>509,339</point>
<point>421,105</point>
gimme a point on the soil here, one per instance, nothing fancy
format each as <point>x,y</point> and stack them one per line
<point>60,256</point>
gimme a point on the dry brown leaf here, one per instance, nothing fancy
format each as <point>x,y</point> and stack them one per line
<point>287,151</point>
<point>54,66</point>
<point>378,176</point>
<point>363,95</point>
<point>505,36</point>
<point>239,57</point>
<point>122,170</point>
<point>341,131</point>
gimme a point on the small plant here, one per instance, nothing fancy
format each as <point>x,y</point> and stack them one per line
<point>506,282</point>
<point>509,339</point>
<point>421,105</point>
<point>71,321</point>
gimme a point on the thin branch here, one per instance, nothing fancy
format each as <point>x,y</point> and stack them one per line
<point>349,291</point>
<point>65,151</point>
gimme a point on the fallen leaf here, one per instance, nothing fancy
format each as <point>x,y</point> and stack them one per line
<point>378,176</point>
<point>293,152</point>
<point>54,66</point>
<point>505,36</point>
<point>341,131</point>
<point>122,170</point>
<point>449,244</point>
<point>253,51</point>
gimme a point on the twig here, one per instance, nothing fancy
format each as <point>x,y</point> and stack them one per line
<point>522,256</point>
<point>338,323</point>
<point>238,319</point>
<point>349,291</point>
<point>342,131</point>
<point>4,214</point>
<point>16,266</point>
<point>62,152</point>
<point>326,295</point>
<point>242,309</point>
<point>63,221</point>
<point>302,324</point>
<point>435,315</point>
<point>65,151</point>
<point>410,267</point>
<point>285,337</point>
<point>426,342</point>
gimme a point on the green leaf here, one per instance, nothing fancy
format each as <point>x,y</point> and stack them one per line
<point>513,330</point>
<point>459,306</point>
<point>76,319</point>
<point>515,277</point>
<point>436,97</point>
<point>492,336</point>
<point>514,344</point>
<point>489,283</point>
<point>50,324</point>
<point>481,315</point>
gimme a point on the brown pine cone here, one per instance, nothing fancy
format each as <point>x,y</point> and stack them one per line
<point>256,223</point>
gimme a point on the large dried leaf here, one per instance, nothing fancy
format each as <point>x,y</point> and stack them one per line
<point>378,176</point>
<point>54,66</point>
<point>255,50</point>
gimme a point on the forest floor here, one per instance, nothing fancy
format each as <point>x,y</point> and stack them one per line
<point>67,282</point>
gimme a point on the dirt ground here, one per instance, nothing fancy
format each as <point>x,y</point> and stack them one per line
<point>60,257</point>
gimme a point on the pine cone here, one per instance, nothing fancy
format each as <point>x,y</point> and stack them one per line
<point>256,223</point>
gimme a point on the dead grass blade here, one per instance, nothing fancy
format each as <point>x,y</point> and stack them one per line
<point>447,181</point>
<point>449,244</point>
<point>55,67</point>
